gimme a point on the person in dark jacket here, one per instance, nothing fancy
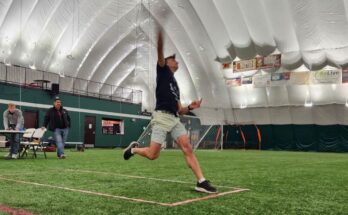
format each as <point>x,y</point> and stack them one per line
<point>57,120</point>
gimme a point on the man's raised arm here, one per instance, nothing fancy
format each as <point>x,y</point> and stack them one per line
<point>160,55</point>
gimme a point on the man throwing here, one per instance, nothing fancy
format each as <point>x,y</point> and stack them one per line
<point>165,119</point>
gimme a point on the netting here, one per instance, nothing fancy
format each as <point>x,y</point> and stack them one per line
<point>241,136</point>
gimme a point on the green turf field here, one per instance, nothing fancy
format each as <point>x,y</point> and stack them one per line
<point>279,183</point>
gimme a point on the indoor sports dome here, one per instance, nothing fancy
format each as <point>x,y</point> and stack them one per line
<point>252,62</point>
<point>271,76</point>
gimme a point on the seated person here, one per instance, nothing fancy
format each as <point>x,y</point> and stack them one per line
<point>13,120</point>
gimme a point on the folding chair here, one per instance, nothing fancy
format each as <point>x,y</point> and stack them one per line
<point>34,142</point>
<point>26,139</point>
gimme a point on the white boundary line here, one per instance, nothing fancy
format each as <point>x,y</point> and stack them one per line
<point>85,191</point>
<point>141,177</point>
<point>211,196</point>
<point>174,204</point>
<point>115,174</point>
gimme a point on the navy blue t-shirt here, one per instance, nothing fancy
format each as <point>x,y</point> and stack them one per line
<point>167,90</point>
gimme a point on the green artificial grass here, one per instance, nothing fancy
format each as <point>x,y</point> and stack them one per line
<point>279,183</point>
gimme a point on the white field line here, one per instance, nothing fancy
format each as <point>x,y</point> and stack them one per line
<point>127,198</point>
<point>141,177</point>
<point>115,174</point>
<point>211,196</point>
<point>84,191</point>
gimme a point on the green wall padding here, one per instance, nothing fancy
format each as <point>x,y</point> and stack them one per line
<point>323,138</point>
<point>132,128</point>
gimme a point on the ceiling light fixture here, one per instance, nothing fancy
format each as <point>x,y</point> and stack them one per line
<point>308,104</point>
<point>243,106</point>
<point>70,57</point>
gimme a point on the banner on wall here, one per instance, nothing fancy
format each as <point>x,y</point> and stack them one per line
<point>299,78</point>
<point>344,76</point>
<point>226,66</point>
<point>244,65</point>
<point>325,77</point>
<point>261,80</point>
<point>236,82</point>
<point>247,80</point>
<point>280,79</point>
<point>268,62</point>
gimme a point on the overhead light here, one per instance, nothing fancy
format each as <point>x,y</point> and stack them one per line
<point>25,56</point>
<point>33,67</point>
<point>346,104</point>
<point>8,63</point>
<point>308,104</point>
<point>32,45</point>
<point>61,74</point>
<point>333,86</point>
<point>243,106</point>
<point>70,57</point>
<point>6,40</point>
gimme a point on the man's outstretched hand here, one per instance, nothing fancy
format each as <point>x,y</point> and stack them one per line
<point>196,104</point>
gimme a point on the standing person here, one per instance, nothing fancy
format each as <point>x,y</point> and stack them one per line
<point>165,119</point>
<point>13,120</point>
<point>58,120</point>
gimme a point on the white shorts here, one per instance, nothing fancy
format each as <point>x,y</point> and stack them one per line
<point>162,123</point>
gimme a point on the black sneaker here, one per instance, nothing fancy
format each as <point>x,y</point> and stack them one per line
<point>127,153</point>
<point>205,187</point>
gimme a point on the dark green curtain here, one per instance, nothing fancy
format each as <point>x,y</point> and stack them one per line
<point>323,138</point>
<point>283,137</point>
<point>305,138</point>
<point>344,137</point>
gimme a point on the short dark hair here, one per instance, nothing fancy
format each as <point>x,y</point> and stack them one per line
<point>170,57</point>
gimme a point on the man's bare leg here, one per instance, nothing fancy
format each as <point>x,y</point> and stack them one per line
<point>190,157</point>
<point>191,160</point>
<point>152,152</point>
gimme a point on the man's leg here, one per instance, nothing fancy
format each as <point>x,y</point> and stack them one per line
<point>65,133</point>
<point>59,141</point>
<point>180,135</point>
<point>152,152</point>
<point>14,144</point>
<point>191,160</point>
